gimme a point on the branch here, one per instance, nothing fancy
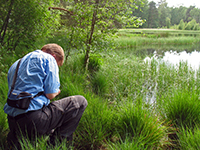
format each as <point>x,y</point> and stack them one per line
<point>58,8</point>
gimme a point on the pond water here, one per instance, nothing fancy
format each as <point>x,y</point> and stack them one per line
<point>171,57</point>
<point>174,58</point>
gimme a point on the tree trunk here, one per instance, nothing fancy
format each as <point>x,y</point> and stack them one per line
<point>5,25</point>
<point>91,34</point>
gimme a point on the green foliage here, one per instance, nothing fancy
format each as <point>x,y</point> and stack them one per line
<point>140,124</point>
<point>3,116</point>
<point>181,25</point>
<point>93,23</point>
<point>152,15</point>
<point>168,23</point>
<point>72,77</point>
<point>195,13</point>
<point>156,39</point>
<point>24,21</point>
<point>94,63</point>
<point>155,14</point>
<point>100,83</point>
<point>7,58</point>
<point>127,144</point>
<point>191,25</point>
<point>96,126</point>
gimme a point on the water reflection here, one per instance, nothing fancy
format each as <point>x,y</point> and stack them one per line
<point>148,50</point>
<point>174,58</point>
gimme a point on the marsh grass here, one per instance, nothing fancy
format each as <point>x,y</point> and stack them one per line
<point>131,42</point>
<point>159,31</point>
<point>40,143</point>
<point>119,89</point>
<point>128,144</point>
<point>143,41</point>
<point>96,127</point>
<point>137,122</point>
<point>189,138</point>
<point>182,108</point>
<point>3,116</point>
<point>100,83</point>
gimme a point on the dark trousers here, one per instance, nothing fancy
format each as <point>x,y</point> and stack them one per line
<point>60,118</point>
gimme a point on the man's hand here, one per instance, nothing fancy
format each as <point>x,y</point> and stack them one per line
<point>52,95</point>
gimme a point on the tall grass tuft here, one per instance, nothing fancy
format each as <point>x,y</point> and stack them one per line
<point>137,122</point>
<point>100,84</point>
<point>182,108</point>
<point>189,138</point>
<point>128,144</point>
<point>96,125</point>
<point>72,77</point>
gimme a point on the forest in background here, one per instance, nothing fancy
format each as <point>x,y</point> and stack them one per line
<point>23,22</point>
<point>160,15</point>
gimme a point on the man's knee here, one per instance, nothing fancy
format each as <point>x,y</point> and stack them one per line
<point>81,100</point>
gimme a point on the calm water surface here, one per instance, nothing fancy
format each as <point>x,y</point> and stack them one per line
<point>174,58</point>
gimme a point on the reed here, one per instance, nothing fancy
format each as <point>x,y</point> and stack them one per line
<point>189,138</point>
<point>96,125</point>
<point>132,103</point>
<point>131,42</point>
<point>141,124</point>
<point>182,108</point>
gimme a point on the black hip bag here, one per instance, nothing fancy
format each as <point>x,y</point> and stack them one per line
<point>20,99</point>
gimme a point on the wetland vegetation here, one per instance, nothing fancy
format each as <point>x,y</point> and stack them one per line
<point>133,104</point>
<point>135,99</point>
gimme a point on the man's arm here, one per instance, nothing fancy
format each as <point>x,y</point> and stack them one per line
<point>52,95</point>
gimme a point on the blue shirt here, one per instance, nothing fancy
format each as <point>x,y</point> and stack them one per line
<point>38,71</point>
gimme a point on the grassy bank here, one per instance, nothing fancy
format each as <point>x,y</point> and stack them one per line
<point>131,38</point>
<point>132,104</point>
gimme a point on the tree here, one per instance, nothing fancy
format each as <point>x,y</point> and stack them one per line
<point>141,11</point>
<point>195,14</point>
<point>23,21</point>
<point>181,25</point>
<point>94,21</point>
<point>152,15</point>
<point>163,12</point>
<point>188,16</point>
<point>177,14</point>
<point>191,25</point>
<point>168,23</point>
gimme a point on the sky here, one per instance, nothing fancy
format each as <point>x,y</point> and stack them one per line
<point>177,3</point>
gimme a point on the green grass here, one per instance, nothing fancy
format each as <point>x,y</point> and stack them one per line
<point>157,39</point>
<point>138,122</point>
<point>154,31</point>
<point>189,138</point>
<point>130,42</point>
<point>182,108</point>
<point>119,88</point>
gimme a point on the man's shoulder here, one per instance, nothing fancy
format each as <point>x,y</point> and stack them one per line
<point>41,54</point>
